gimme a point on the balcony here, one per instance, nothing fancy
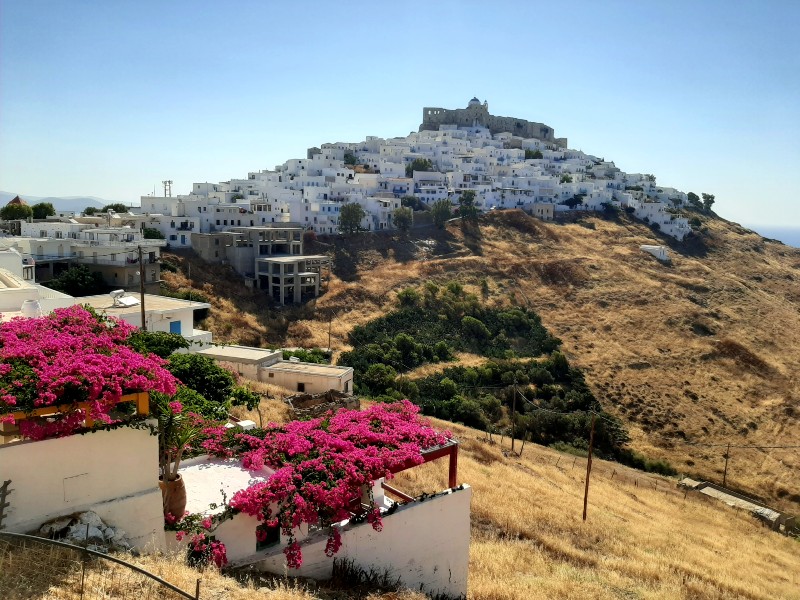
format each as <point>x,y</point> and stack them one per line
<point>119,244</point>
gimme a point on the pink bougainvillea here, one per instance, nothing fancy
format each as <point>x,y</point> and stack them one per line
<point>71,356</point>
<point>322,466</point>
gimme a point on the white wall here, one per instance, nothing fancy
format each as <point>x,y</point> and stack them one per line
<point>114,473</point>
<point>423,543</point>
<point>339,378</point>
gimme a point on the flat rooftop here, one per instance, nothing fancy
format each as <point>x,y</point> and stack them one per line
<point>292,259</point>
<point>204,478</point>
<point>240,353</point>
<point>152,303</point>
<point>311,368</point>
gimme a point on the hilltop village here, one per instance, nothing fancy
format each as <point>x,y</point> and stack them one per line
<point>506,162</point>
<point>258,224</point>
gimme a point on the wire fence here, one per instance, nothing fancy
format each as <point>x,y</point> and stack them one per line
<point>32,567</point>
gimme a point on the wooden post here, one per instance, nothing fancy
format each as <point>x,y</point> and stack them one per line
<point>588,469</point>
<point>452,476</point>
<point>725,473</point>
<point>4,491</point>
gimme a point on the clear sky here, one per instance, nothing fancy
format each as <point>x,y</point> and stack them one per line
<point>109,98</point>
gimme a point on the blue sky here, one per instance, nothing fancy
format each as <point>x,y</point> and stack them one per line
<point>107,99</point>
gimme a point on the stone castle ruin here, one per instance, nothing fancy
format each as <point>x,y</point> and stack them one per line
<point>477,114</point>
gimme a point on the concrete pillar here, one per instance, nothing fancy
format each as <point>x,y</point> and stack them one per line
<point>297,288</point>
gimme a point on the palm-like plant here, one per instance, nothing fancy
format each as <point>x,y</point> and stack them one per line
<point>177,430</point>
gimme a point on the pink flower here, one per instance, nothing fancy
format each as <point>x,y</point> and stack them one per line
<point>180,535</point>
<point>207,523</point>
<point>72,356</point>
<point>176,407</point>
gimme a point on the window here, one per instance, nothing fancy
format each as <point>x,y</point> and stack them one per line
<point>113,257</point>
<point>216,241</point>
<point>301,387</point>
<point>272,374</point>
<point>269,536</point>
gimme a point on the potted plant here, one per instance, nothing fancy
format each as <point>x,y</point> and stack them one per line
<point>177,430</point>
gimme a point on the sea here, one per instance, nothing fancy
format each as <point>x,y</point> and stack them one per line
<point>788,235</point>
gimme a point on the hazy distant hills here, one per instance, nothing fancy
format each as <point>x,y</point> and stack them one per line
<point>61,203</point>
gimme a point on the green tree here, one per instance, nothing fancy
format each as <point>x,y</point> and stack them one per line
<point>533,154</point>
<point>379,378</point>
<point>350,159</point>
<point>117,207</point>
<point>350,218</point>
<point>150,233</point>
<point>441,212</point>
<point>708,202</point>
<point>573,202</point>
<point>466,206</point>
<point>203,375</point>
<point>566,178</point>
<point>412,202</point>
<point>42,210</point>
<point>90,210</point>
<point>78,281</point>
<point>403,218</point>
<point>694,200</point>
<point>14,212</point>
<point>408,297</point>
<point>474,328</point>
<point>418,164</point>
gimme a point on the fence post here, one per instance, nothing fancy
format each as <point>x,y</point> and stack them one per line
<point>84,556</point>
<point>197,590</point>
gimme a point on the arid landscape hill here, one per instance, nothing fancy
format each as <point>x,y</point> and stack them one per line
<point>691,355</point>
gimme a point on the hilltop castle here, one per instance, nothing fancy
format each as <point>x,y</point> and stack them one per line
<point>478,114</point>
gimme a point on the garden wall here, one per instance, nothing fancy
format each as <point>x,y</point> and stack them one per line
<point>114,473</point>
<point>422,543</point>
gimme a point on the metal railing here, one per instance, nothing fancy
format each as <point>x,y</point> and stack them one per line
<point>33,567</point>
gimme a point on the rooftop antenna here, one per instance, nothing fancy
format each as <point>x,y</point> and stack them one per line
<point>167,188</point>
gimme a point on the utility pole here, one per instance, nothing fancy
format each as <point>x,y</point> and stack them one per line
<point>725,473</point>
<point>330,322</point>
<point>513,412</point>
<point>141,288</point>
<point>588,469</point>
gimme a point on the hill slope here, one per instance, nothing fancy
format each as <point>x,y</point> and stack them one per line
<point>699,351</point>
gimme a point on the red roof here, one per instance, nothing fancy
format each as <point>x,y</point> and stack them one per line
<point>18,200</point>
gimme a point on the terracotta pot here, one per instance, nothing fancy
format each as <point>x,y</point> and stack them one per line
<point>173,494</point>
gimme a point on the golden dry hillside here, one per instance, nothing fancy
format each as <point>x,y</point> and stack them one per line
<point>703,350</point>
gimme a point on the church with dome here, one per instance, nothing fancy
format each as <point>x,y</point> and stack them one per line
<point>476,114</point>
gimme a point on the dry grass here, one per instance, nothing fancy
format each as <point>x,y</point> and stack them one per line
<point>644,537</point>
<point>702,350</point>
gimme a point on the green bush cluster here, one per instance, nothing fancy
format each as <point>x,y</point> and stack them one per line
<point>448,314</point>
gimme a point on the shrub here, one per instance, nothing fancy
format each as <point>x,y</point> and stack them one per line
<point>150,233</point>
<point>408,297</point>
<point>160,343</point>
<point>203,375</point>
<point>79,281</point>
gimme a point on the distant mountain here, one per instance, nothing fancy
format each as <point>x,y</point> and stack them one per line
<point>61,203</point>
